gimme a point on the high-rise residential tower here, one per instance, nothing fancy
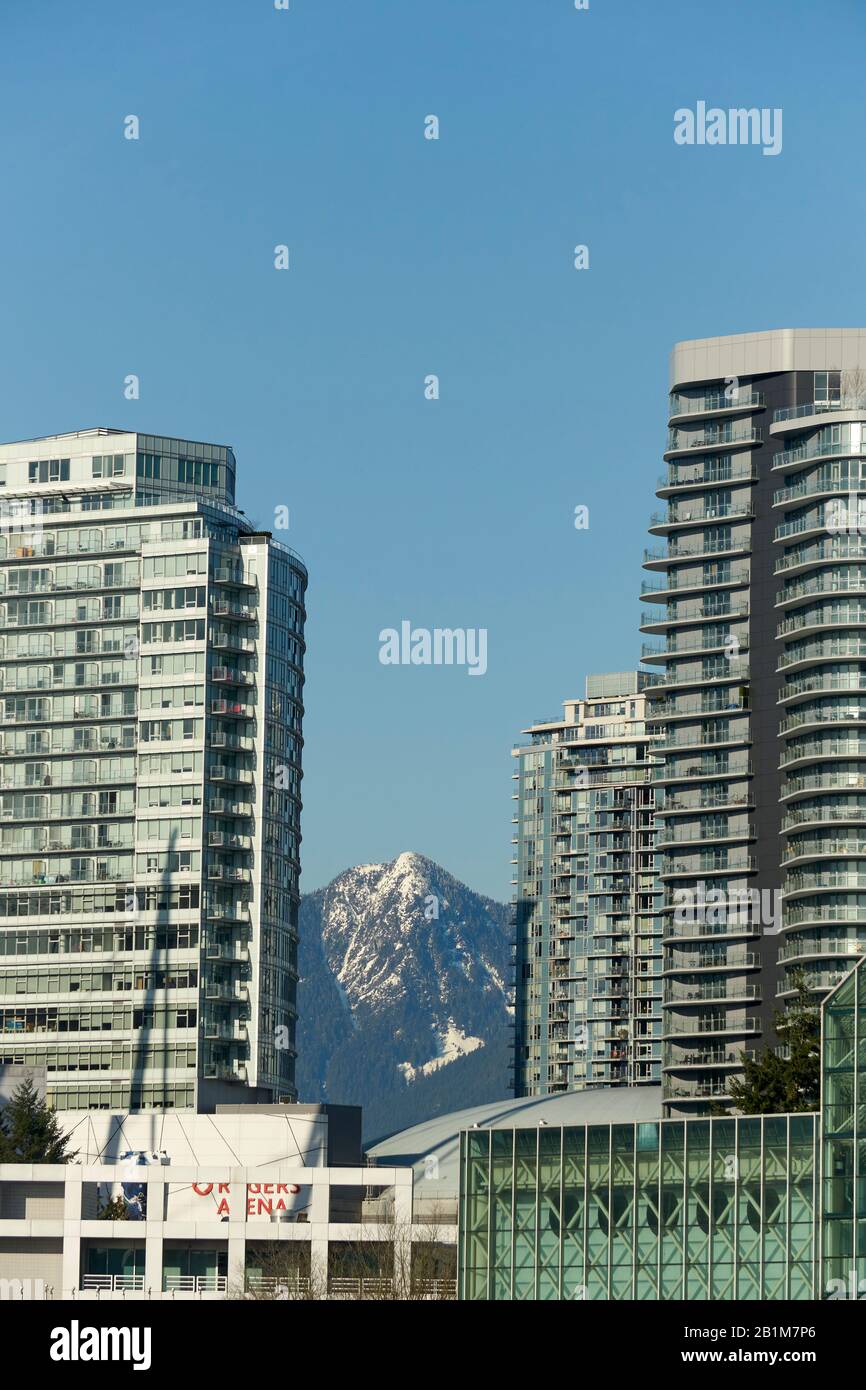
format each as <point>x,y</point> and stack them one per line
<point>151,682</point>
<point>760,587</point>
<point>588,958</point>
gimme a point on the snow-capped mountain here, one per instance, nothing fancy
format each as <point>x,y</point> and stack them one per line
<point>403,994</point>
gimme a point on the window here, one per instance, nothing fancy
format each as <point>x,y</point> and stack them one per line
<point>48,471</point>
<point>148,465</point>
<point>197,473</point>
<point>108,466</point>
<point>827,390</point>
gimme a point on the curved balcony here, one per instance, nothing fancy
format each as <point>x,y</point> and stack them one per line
<point>694,742</point>
<point>698,548</point>
<point>708,1027</point>
<point>850,879</point>
<point>819,847</point>
<point>713,1057</point>
<point>683,517</point>
<point>805,913</point>
<point>819,948</point>
<point>805,719</point>
<point>826,552</point>
<point>696,707</point>
<point>851,682</point>
<point>729,864</point>
<point>693,933</point>
<point>730,960</point>
<point>694,835</point>
<point>820,619</point>
<point>834,583</point>
<point>806,653</point>
<point>662,590</point>
<point>816,487</point>
<point>826,813</point>
<point>808,783</point>
<point>695,613</point>
<point>702,441</point>
<point>816,981</point>
<point>716,404</point>
<point>704,644</point>
<point>694,806</point>
<point>804,454</point>
<point>821,750</point>
<point>700,772</point>
<point>680,478</point>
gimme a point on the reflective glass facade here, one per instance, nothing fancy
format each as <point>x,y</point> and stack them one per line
<point>151,684</point>
<point>843,1233</point>
<point>756,594</point>
<point>749,1207</point>
<point>588,982</point>
<point>696,1209</point>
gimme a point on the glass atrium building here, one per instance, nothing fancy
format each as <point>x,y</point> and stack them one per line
<point>766,1207</point>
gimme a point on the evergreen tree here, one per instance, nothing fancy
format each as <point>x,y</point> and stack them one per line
<point>115,1209</point>
<point>776,1083</point>
<point>29,1130</point>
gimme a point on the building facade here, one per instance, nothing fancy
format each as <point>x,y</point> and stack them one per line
<point>151,683</point>
<point>587,933</point>
<point>767,1207</point>
<point>757,592</point>
<point>253,1201</point>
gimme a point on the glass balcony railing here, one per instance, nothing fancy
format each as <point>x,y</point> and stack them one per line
<point>735,399</point>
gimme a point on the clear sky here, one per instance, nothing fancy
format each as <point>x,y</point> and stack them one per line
<point>411,257</point>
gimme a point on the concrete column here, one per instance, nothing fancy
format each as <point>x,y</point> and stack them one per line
<point>153,1229</point>
<point>73,1195</point>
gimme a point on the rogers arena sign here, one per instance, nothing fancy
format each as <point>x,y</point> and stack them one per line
<point>262,1198</point>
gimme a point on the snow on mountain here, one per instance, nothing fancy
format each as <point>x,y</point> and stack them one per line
<point>403,994</point>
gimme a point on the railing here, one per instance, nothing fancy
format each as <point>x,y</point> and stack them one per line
<point>677,516</point>
<point>805,453</point>
<point>372,1287</point>
<point>195,1283</point>
<point>112,1283</point>
<point>739,400</point>
<point>288,1286</point>
<point>714,439</point>
<point>796,412</point>
<point>717,476</point>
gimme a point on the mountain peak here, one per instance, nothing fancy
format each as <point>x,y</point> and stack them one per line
<point>403,973</point>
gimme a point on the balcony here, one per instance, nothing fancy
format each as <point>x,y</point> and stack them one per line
<point>703,772</point>
<point>731,672</point>
<point>230,709</point>
<point>677,1028</point>
<point>234,576</point>
<point>720,864</point>
<point>728,437</point>
<point>701,835</point>
<point>725,474</point>
<point>658,590</point>
<point>695,549</point>
<point>113,1283</point>
<point>716,403</point>
<point>804,557</point>
<point>674,517</point>
<point>227,608</point>
<point>195,1283</point>
<point>229,676</point>
<point>809,453</point>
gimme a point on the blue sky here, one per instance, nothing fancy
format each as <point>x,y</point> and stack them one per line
<point>411,257</point>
